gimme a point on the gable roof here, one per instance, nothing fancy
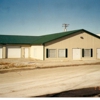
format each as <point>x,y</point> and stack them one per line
<point>15,39</point>
<point>47,38</point>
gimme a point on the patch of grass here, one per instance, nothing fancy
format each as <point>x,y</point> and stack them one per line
<point>4,63</point>
<point>20,66</point>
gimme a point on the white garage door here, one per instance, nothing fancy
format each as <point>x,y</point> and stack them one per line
<point>14,52</point>
<point>26,52</point>
<point>76,54</point>
<point>0,52</point>
<point>98,53</point>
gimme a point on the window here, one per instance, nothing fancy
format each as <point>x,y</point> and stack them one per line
<point>61,53</point>
<point>51,53</point>
<point>87,52</point>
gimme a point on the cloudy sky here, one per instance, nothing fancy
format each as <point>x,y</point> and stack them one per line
<point>37,17</point>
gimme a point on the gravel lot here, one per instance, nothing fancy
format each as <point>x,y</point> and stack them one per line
<point>30,83</point>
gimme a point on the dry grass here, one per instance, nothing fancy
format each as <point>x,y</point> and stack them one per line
<point>56,66</point>
<point>5,65</point>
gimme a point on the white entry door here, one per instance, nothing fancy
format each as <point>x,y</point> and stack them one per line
<point>26,52</point>
<point>98,53</point>
<point>76,54</point>
<point>13,52</point>
<point>0,52</point>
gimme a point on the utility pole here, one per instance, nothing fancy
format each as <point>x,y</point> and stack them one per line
<point>65,26</point>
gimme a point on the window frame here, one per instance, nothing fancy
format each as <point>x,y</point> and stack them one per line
<point>84,53</point>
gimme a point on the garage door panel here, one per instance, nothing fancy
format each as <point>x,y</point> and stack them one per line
<point>26,52</point>
<point>14,52</point>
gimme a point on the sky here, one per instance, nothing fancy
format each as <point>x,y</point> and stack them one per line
<point>38,17</point>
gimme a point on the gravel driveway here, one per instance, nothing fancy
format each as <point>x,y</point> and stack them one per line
<point>38,82</point>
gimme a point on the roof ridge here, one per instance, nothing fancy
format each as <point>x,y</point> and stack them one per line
<point>40,35</point>
<point>62,32</point>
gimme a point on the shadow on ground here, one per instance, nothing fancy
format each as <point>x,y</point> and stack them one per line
<point>84,92</point>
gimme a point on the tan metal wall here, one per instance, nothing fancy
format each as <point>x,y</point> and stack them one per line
<point>3,50</point>
<point>74,41</point>
<point>36,51</point>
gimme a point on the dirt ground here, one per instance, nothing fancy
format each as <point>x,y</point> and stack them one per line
<point>30,83</point>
